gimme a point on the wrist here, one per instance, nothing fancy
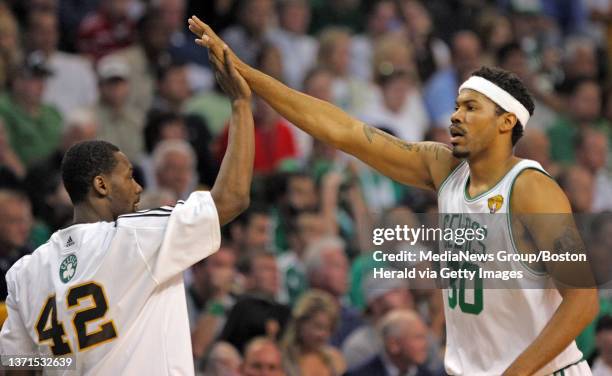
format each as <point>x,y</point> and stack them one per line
<point>241,102</point>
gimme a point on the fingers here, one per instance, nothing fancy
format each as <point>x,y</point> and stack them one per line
<point>204,41</point>
<point>229,65</point>
<point>203,26</point>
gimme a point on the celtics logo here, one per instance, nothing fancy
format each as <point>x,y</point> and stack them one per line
<point>68,268</point>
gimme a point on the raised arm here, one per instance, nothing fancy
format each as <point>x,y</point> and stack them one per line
<point>232,188</point>
<point>424,165</point>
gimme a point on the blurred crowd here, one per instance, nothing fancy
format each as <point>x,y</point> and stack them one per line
<point>291,291</point>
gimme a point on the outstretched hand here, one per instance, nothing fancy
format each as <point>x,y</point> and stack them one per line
<point>222,59</point>
<point>207,38</point>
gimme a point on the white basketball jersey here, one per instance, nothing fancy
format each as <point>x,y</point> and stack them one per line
<point>488,329</point>
<point>111,293</point>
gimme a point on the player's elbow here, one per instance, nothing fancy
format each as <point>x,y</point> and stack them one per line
<point>231,208</point>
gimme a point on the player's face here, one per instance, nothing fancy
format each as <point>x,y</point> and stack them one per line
<point>473,124</point>
<point>124,192</point>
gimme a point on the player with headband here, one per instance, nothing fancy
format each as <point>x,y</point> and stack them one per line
<point>490,332</point>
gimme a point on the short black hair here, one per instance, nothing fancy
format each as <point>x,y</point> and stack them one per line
<point>82,163</point>
<point>515,87</point>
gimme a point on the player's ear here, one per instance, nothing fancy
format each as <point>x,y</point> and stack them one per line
<point>100,185</point>
<point>507,121</point>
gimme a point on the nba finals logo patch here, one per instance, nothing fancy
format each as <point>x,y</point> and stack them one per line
<point>495,203</point>
<point>68,268</point>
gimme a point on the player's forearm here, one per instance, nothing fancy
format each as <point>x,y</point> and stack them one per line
<point>578,309</point>
<point>318,118</point>
<point>232,188</point>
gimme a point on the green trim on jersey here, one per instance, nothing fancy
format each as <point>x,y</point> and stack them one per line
<point>466,195</point>
<point>447,178</point>
<point>561,372</point>
<point>537,273</point>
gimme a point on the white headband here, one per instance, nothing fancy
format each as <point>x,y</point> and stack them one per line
<point>497,95</point>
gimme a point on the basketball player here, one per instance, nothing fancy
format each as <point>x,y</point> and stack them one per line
<point>520,332</point>
<point>108,290</point>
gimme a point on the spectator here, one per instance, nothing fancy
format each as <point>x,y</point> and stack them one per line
<point>343,13</point>
<point>208,298</point>
<point>306,226</point>
<point>400,107</point>
<point>108,29</point>
<point>602,366</point>
<point>583,111</point>
<point>15,226</point>
<point>578,184</point>
<point>34,128</point>
<point>382,19</point>
<point>251,231</point>
<point>223,360</point>
<point>172,94</point>
<point>8,157</point>
<point>257,313</point>
<point>145,57</point>
<point>382,297</point>
<point>430,52</point>
<point>291,192</point>
<point>50,201</point>
<point>327,270</point>
<point>274,141</point>
<point>297,48</point>
<point>181,43</point>
<point>579,61</point>
<point>118,123</point>
<point>252,30</point>
<point>535,145</point>
<point>404,337</point>
<point>10,48</point>
<point>262,357</point>
<point>305,345</point>
<point>174,163</point>
<point>512,57</point>
<point>73,83</point>
<point>71,13</point>
<point>441,89</point>
<point>349,93</point>
<point>591,153</point>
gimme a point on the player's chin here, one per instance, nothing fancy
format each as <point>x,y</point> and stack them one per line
<point>460,151</point>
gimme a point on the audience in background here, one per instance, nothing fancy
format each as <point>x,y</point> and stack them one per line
<point>127,71</point>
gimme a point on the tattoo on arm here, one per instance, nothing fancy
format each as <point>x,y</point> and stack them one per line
<point>370,132</point>
<point>569,241</point>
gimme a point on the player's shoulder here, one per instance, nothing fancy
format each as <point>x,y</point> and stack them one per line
<point>441,160</point>
<point>28,265</point>
<point>150,218</point>
<point>534,191</point>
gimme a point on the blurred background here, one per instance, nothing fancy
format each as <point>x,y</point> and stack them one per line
<point>291,291</point>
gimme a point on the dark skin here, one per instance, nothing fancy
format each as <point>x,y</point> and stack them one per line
<point>479,134</point>
<point>115,193</point>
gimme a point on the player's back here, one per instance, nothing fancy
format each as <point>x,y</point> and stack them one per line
<point>111,293</point>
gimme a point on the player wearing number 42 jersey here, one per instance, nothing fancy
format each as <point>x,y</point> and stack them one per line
<point>108,290</point>
<point>525,332</point>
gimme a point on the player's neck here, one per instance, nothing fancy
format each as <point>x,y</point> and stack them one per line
<point>86,213</point>
<point>488,168</point>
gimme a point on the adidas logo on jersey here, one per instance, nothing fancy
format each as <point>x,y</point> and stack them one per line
<point>69,242</point>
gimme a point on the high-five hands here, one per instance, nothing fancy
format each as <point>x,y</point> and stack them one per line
<point>222,59</point>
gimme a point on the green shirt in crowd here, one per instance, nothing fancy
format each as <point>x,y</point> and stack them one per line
<point>32,137</point>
